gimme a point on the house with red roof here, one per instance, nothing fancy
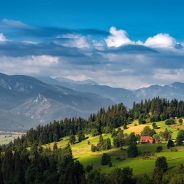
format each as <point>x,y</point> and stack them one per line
<point>148,139</point>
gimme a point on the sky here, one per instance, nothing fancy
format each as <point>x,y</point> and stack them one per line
<point>129,44</point>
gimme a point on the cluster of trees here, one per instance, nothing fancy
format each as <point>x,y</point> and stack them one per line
<point>118,138</point>
<point>52,132</point>
<point>106,160</point>
<point>170,121</point>
<point>80,137</point>
<point>103,144</point>
<point>43,166</point>
<point>102,122</point>
<point>40,166</point>
<point>157,109</point>
<point>147,131</point>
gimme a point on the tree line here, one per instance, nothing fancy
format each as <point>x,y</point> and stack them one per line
<point>104,121</point>
<point>42,166</point>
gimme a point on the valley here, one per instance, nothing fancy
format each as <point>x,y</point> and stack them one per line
<point>7,137</point>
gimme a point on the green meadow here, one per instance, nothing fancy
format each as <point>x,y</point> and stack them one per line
<point>141,164</point>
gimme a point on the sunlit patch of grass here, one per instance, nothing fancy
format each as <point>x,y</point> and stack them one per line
<point>140,165</point>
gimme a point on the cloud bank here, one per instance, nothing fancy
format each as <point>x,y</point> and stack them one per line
<point>107,57</point>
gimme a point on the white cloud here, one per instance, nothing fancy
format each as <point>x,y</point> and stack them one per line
<point>43,60</point>
<point>79,77</point>
<point>171,75</point>
<point>117,38</point>
<point>161,41</point>
<point>120,37</point>
<point>75,40</point>
<point>105,66</point>
<point>29,65</point>
<point>2,37</point>
<point>14,23</point>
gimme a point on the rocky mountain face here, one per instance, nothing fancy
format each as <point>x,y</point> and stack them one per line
<point>26,102</point>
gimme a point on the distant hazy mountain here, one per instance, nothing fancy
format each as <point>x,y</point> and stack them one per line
<point>174,90</point>
<point>26,102</point>
<point>117,95</point>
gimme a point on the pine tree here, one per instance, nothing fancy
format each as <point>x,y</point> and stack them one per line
<point>72,139</point>
<point>81,136</point>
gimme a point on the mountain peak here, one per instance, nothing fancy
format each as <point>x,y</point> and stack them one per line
<point>177,84</point>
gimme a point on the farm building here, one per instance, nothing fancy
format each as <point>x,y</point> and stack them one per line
<point>148,139</point>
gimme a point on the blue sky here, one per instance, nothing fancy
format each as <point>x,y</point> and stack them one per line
<point>141,18</point>
<point>127,44</point>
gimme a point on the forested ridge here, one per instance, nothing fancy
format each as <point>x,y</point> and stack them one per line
<point>27,161</point>
<point>105,120</point>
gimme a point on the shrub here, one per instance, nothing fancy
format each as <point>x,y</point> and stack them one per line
<point>93,148</point>
<point>170,122</point>
<point>174,150</point>
<point>159,148</point>
<point>170,144</point>
<point>125,127</point>
<point>81,136</point>
<point>166,134</point>
<point>142,121</point>
<point>132,151</point>
<point>154,118</point>
<point>154,125</point>
<point>180,121</point>
<point>72,139</point>
<point>161,164</point>
<point>106,159</point>
<point>147,131</point>
<point>94,132</point>
<point>180,137</point>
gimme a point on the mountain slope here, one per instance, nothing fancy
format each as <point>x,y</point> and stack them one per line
<point>26,102</point>
<point>174,90</point>
<point>118,95</point>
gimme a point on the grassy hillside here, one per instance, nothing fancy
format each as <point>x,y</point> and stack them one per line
<point>136,128</point>
<point>82,151</point>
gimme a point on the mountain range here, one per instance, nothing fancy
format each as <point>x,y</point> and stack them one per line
<point>26,102</point>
